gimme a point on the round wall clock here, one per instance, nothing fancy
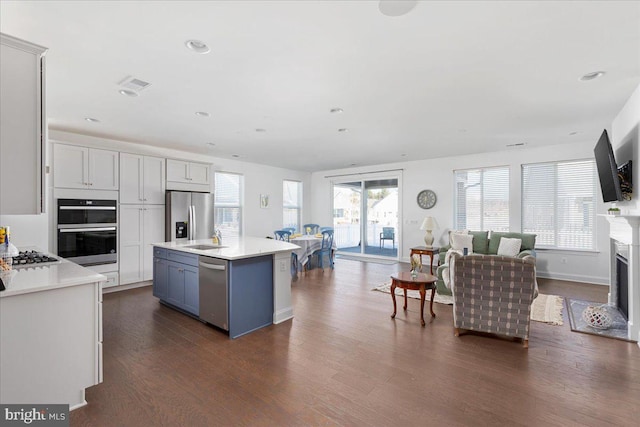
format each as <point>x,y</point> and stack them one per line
<point>427,199</point>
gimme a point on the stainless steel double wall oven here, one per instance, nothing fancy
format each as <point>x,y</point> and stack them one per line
<point>87,231</point>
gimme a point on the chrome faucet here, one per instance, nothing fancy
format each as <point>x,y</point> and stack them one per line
<point>218,235</point>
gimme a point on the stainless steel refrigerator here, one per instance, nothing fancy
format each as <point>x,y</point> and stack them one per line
<point>189,216</point>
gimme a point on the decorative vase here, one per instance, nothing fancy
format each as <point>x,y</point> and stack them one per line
<point>414,274</point>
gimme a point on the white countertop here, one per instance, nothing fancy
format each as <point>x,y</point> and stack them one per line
<point>232,249</point>
<point>46,277</point>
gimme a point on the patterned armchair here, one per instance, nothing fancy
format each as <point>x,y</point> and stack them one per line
<point>493,294</point>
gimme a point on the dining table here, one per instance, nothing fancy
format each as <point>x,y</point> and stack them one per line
<point>309,243</point>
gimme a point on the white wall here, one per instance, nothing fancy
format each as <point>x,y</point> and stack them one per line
<point>437,175</point>
<point>625,139</point>
<point>34,230</point>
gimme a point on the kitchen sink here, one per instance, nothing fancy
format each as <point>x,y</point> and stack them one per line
<point>204,247</point>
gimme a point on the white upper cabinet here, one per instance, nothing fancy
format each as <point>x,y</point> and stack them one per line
<point>22,126</point>
<point>82,167</point>
<point>184,175</point>
<point>142,179</point>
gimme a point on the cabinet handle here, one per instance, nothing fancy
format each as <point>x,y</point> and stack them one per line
<point>181,270</point>
<point>91,183</point>
<point>144,200</point>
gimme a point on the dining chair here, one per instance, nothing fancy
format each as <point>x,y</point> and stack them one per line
<point>388,233</point>
<point>314,228</point>
<point>325,249</point>
<point>291,229</point>
<point>325,228</point>
<point>285,236</point>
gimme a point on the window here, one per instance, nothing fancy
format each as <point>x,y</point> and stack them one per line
<point>482,199</point>
<point>558,203</point>
<point>291,204</point>
<point>228,204</point>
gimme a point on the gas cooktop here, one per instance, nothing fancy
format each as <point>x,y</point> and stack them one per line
<point>33,258</point>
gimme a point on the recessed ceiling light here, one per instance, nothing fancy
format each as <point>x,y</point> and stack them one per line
<point>517,144</point>
<point>343,130</point>
<point>197,46</point>
<point>592,76</point>
<point>396,7</point>
<point>235,155</point>
<point>92,120</point>
<point>336,110</point>
<point>403,155</point>
<point>261,130</point>
<point>202,114</point>
<point>353,164</point>
<point>573,133</point>
<point>127,92</point>
<point>210,144</point>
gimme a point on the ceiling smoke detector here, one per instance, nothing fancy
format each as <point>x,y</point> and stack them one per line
<point>92,120</point>
<point>336,110</point>
<point>344,130</point>
<point>202,114</point>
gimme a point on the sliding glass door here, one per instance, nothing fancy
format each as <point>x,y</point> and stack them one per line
<point>365,217</point>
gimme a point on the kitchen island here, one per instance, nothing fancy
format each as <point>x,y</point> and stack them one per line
<point>50,334</point>
<point>239,286</point>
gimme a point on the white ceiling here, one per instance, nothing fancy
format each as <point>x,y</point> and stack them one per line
<point>448,78</point>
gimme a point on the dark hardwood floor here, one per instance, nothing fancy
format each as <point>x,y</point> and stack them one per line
<point>343,361</point>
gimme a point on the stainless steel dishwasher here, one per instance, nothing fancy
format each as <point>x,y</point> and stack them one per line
<point>214,291</point>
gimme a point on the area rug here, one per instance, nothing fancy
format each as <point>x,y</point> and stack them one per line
<point>545,308</point>
<point>618,329</point>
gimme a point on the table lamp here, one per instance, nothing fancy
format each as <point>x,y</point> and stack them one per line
<point>429,224</point>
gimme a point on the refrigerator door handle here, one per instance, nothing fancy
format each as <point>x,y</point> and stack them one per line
<point>195,231</point>
<point>190,219</point>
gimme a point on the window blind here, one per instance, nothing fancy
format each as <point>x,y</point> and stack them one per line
<point>228,204</point>
<point>558,203</point>
<point>291,204</point>
<point>482,199</point>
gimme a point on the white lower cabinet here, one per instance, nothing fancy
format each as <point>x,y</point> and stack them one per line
<point>140,226</point>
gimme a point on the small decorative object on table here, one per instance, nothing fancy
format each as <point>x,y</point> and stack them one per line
<point>597,317</point>
<point>416,265</point>
<point>613,211</point>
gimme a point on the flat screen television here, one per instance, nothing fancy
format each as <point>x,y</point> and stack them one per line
<point>607,169</point>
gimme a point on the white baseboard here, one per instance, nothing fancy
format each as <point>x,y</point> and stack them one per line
<point>574,278</point>
<point>126,287</point>
<point>282,315</point>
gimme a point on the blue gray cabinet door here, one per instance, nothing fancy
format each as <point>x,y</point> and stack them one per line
<point>191,291</point>
<point>175,294</point>
<point>160,278</point>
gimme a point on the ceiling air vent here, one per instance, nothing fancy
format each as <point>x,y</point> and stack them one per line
<point>134,84</point>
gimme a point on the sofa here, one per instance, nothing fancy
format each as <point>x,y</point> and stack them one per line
<point>485,243</point>
<point>493,294</point>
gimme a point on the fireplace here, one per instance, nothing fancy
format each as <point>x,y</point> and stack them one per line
<point>624,234</point>
<point>622,284</point>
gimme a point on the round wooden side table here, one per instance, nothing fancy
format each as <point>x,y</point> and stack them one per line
<point>422,282</point>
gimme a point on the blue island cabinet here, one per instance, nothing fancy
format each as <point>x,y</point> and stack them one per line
<point>250,294</point>
<point>175,279</point>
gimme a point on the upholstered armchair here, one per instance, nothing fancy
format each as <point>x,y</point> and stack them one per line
<point>493,294</point>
